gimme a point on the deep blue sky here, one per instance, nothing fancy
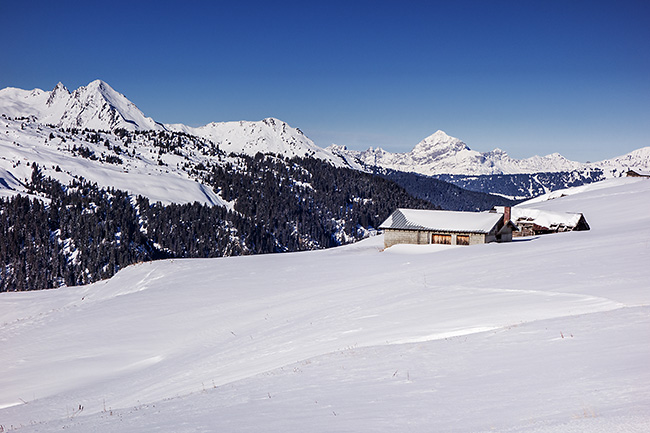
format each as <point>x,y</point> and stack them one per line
<point>529,77</point>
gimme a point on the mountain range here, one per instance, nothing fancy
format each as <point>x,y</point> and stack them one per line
<point>95,106</point>
<point>98,106</point>
<point>29,113</point>
<point>440,154</point>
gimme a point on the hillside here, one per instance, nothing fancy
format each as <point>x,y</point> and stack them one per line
<point>540,335</point>
<point>523,185</point>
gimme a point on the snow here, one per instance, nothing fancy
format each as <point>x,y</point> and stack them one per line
<point>544,334</point>
<point>544,218</point>
<point>638,160</point>
<point>442,220</point>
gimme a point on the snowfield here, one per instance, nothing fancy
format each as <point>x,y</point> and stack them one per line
<point>545,334</point>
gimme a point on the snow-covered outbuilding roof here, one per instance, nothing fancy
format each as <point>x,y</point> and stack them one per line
<point>544,218</point>
<point>638,173</point>
<point>442,220</point>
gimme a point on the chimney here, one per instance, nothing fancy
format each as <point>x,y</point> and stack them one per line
<point>506,214</point>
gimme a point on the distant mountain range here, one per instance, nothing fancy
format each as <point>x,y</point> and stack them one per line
<point>98,107</point>
<point>449,159</point>
<point>441,154</point>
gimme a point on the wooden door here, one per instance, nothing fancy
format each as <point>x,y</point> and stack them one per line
<point>441,239</point>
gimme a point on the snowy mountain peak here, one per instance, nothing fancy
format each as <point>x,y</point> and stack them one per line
<point>272,121</point>
<point>439,142</point>
<point>101,88</point>
<point>440,135</point>
<point>498,151</point>
<point>59,92</point>
<point>96,84</point>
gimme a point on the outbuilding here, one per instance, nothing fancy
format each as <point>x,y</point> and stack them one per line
<point>637,173</point>
<point>533,222</point>
<point>417,226</point>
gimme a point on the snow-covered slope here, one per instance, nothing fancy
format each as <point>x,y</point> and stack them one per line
<point>544,334</point>
<point>139,171</point>
<point>441,154</point>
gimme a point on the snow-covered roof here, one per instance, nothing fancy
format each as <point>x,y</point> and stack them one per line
<point>544,218</point>
<point>639,173</point>
<point>442,220</point>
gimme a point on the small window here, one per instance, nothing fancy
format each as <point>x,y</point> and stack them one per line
<point>441,239</point>
<point>462,240</point>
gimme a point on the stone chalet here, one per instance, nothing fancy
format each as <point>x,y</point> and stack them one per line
<point>416,226</point>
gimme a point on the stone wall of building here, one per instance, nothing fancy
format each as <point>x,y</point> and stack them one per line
<point>393,237</point>
<point>480,238</point>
